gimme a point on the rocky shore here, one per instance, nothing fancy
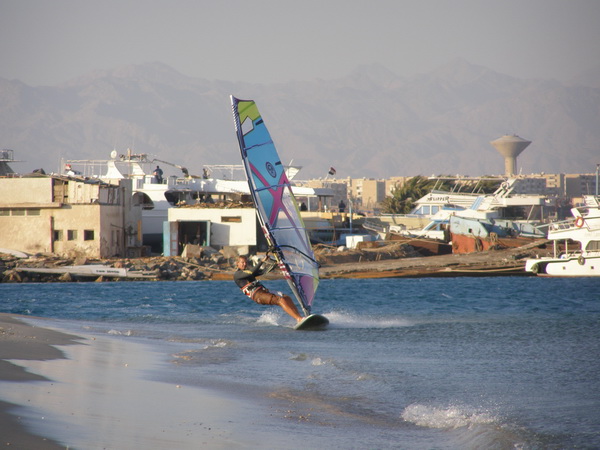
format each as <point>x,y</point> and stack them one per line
<point>387,259</point>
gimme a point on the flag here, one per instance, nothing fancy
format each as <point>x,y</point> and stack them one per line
<point>331,171</point>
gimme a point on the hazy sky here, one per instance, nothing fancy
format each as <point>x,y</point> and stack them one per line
<point>46,42</point>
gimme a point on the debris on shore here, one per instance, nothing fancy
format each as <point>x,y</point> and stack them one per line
<point>388,259</point>
<point>43,268</point>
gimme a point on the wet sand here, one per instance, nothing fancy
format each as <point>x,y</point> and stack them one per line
<point>96,392</point>
<point>21,341</point>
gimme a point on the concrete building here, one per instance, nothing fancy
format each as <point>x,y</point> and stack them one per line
<point>393,183</point>
<point>367,192</point>
<point>69,217</point>
<point>338,190</point>
<point>557,185</point>
<point>215,227</point>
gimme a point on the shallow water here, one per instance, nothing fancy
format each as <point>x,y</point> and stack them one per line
<point>409,363</point>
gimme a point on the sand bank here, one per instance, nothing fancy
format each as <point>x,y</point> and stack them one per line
<point>22,341</point>
<point>100,393</point>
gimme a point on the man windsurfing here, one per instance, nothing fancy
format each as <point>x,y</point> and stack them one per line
<point>246,279</point>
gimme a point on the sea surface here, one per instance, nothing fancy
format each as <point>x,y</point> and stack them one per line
<point>453,363</point>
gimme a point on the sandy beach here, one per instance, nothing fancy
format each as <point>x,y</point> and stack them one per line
<point>21,341</point>
<point>65,391</point>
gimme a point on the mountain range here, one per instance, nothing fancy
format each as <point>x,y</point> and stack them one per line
<point>370,123</point>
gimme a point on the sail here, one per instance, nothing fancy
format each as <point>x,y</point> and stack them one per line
<point>276,206</point>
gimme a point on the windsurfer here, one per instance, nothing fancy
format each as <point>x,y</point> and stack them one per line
<point>245,278</point>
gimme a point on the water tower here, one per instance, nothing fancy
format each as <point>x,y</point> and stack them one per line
<point>510,147</point>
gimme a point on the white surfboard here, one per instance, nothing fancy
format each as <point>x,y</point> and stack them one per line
<point>313,322</point>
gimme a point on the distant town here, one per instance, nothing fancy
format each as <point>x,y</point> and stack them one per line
<point>129,209</point>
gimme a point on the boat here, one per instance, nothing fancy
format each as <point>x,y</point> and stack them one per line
<point>276,206</point>
<point>472,234</point>
<point>91,270</point>
<point>497,221</point>
<point>576,244</point>
<point>476,222</point>
<point>423,245</point>
<point>494,221</point>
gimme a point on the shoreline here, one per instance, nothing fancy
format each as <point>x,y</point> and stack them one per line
<point>19,340</point>
<point>99,392</point>
<point>383,262</point>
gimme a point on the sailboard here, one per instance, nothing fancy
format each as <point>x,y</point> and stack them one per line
<point>276,207</point>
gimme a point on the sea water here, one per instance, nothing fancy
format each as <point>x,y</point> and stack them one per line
<point>406,363</point>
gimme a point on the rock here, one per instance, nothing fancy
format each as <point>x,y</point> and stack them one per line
<point>81,261</point>
<point>208,252</point>
<point>191,251</point>
<point>66,277</point>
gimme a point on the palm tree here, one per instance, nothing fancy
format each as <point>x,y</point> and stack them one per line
<point>404,197</point>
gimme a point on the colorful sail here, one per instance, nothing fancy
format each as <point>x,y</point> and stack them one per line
<point>276,206</point>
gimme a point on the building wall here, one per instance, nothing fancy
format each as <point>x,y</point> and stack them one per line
<point>68,218</point>
<point>228,227</point>
<point>579,185</point>
<point>77,232</point>
<point>393,183</point>
<point>373,192</point>
<point>25,230</point>
<point>26,191</point>
<point>339,188</point>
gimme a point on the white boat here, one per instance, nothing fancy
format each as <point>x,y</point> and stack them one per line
<point>92,270</point>
<point>576,244</point>
<point>489,221</point>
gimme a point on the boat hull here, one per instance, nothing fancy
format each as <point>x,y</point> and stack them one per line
<point>469,244</point>
<point>426,247</point>
<point>582,266</point>
<point>475,235</point>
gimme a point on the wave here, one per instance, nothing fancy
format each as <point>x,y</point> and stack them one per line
<point>446,417</point>
<point>470,427</point>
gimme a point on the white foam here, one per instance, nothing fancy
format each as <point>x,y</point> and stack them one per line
<point>217,343</point>
<point>346,320</point>
<point>269,318</point>
<point>120,333</point>
<point>450,417</point>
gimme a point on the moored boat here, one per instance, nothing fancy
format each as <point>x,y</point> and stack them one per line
<point>474,234</point>
<point>576,244</point>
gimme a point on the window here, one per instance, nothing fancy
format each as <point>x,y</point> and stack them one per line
<point>88,235</point>
<point>33,212</point>
<point>4,212</point>
<point>58,235</point>
<point>71,235</point>
<point>231,219</point>
<point>18,212</point>
<point>593,246</point>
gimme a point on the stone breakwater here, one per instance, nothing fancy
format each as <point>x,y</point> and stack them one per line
<point>390,260</point>
<point>53,269</point>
